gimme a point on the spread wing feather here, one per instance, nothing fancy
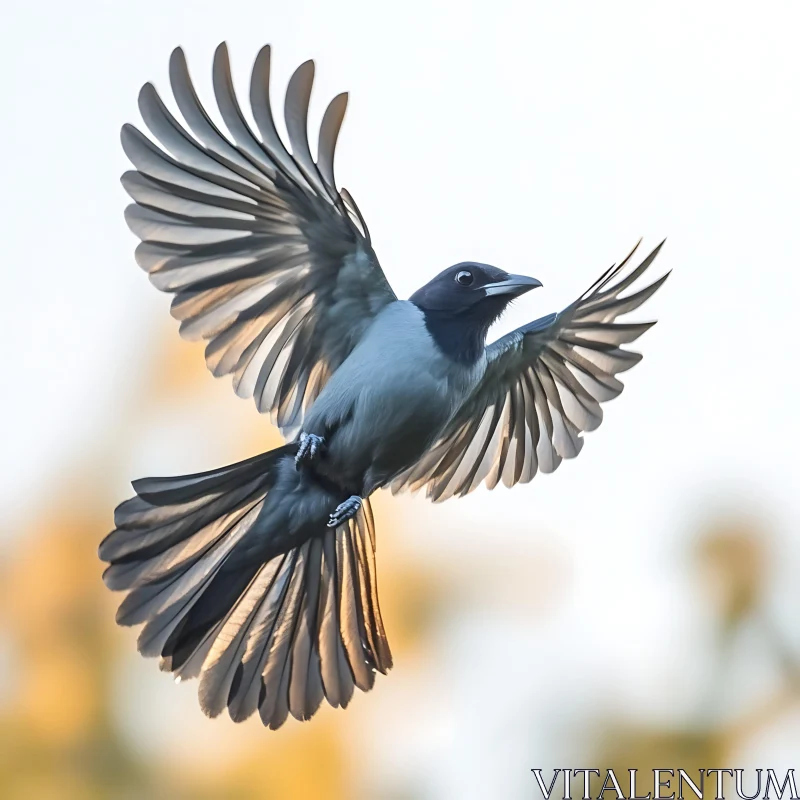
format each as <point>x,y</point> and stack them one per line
<point>542,389</point>
<point>267,260</point>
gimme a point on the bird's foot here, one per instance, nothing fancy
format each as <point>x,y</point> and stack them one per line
<point>310,444</point>
<point>345,511</point>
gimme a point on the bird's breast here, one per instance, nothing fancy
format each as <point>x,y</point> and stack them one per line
<point>393,397</point>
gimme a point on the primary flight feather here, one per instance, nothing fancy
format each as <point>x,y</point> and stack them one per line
<point>259,578</point>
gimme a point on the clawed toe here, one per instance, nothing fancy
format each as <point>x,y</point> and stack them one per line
<point>345,511</point>
<point>310,444</point>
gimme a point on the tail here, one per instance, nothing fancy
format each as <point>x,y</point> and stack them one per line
<point>269,628</point>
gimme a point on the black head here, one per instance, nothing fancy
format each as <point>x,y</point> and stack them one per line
<point>461,303</point>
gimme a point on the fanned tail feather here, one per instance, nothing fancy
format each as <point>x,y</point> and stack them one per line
<point>268,630</point>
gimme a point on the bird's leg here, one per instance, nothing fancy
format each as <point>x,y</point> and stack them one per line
<point>345,511</point>
<point>310,444</point>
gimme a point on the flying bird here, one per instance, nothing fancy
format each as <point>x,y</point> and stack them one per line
<point>259,578</point>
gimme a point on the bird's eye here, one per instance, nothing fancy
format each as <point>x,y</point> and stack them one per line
<point>464,278</point>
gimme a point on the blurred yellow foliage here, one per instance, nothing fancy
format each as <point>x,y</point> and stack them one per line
<point>59,733</point>
<point>63,734</point>
<point>732,557</point>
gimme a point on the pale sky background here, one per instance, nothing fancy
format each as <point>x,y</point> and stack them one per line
<point>542,137</point>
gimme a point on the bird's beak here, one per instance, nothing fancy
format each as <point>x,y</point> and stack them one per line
<point>514,285</point>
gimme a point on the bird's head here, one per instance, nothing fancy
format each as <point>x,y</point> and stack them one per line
<point>461,303</point>
<point>478,291</point>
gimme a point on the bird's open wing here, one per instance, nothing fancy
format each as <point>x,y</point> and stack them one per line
<point>542,389</point>
<point>267,259</point>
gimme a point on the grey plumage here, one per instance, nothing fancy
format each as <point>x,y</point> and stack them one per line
<point>235,573</point>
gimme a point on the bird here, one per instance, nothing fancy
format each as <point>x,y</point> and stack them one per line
<point>259,578</point>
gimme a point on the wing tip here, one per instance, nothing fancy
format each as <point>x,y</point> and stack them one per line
<point>657,249</point>
<point>305,72</point>
<point>127,132</point>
